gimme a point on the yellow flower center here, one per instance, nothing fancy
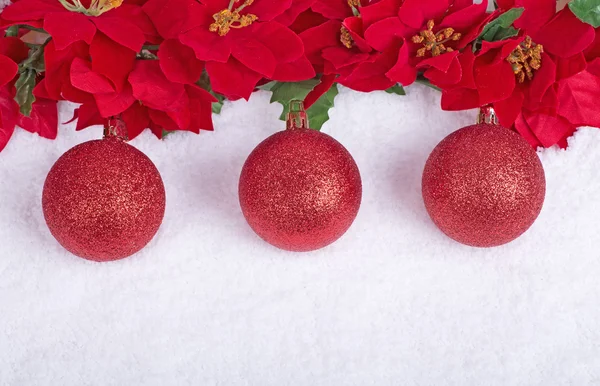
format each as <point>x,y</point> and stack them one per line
<point>435,42</point>
<point>346,38</point>
<point>355,5</point>
<point>526,59</point>
<point>96,8</point>
<point>230,18</point>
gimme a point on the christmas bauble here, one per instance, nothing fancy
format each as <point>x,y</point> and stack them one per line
<point>300,189</point>
<point>104,200</point>
<point>484,185</point>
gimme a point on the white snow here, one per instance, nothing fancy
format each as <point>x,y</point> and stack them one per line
<point>394,302</point>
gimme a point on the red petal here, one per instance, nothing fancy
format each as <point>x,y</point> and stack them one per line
<point>495,82</point>
<point>565,35</point>
<point>14,48</point>
<point>370,76</point>
<point>9,111</point>
<point>200,109</point>
<point>326,83</point>
<point>163,120</point>
<point>174,17</point>
<point>509,109</point>
<point>256,56</point>
<point>152,87</point>
<point>386,33</point>
<point>179,63</point>
<point>88,115</point>
<point>115,103</point>
<point>208,46</point>
<point>58,66</point>
<point>441,62</point>
<point>379,11</point>
<point>354,25</point>
<point>341,57</point>
<point>267,10</point>
<point>523,128</point>
<point>549,130</point>
<point>67,28</point>
<point>285,45</point>
<point>8,70</point>
<point>578,99</point>
<point>333,9</point>
<point>111,59</point>
<point>232,78</point>
<point>445,78</point>
<point>537,13</point>
<point>136,119</point>
<point>86,80</point>
<point>306,20</point>
<point>317,38</point>
<point>292,13</point>
<point>121,31</point>
<point>415,13</point>
<point>403,72</point>
<point>298,70</point>
<point>29,10</point>
<point>542,79</point>
<point>460,99</point>
<point>43,119</point>
<point>565,68</point>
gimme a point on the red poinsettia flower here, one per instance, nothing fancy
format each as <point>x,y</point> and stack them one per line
<point>429,35</point>
<point>339,46</point>
<point>148,100</point>
<point>114,30</point>
<point>43,118</point>
<point>239,40</point>
<point>541,89</point>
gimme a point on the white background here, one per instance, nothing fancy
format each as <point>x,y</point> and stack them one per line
<point>394,302</point>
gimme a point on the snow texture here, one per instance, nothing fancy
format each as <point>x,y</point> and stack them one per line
<point>394,302</point>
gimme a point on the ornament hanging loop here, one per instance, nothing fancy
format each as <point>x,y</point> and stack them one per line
<point>487,114</point>
<point>116,128</point>
<point>297,117</point>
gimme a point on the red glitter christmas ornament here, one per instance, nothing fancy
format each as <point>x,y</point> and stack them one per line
<point>104,200</point>
<point>484,185</point>
<point>300,189</point>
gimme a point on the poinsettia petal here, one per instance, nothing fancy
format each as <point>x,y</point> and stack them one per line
<point>341,57</point>
<point>403,72</point>
<point>111,59</point>
<point>549,130</point>
<point>43,119</point>
<point>136,120</point>
<point>135,14</point>
<point>67,28</point>
<point>285,45</point>
<point>440,62</point>
<point>354,26</point>
<point>379,10</point>
<point>446,78</point>
<point>114,103</point>
<point>8,70</point>
<point>415,13</point>
<point>333,9</point>
<point>542,79</point>
<point>86,80</point>
<point>179,63</point>
<point>317,38</point>
<point>495,82</point>
<point>88,116</point>
<point>292,13</point>
<point>523,128</point>
<point>509,109</point>
<point>565,35</point>
<point>9,111</point>
<point>324,85</point>
<point>153,88</point>
<point>567,67</point>
<point>537,13</point>
<point>58,66</point>
<point>386,33</point>
<point>371,75</point>
<point>267,10</point>
<point>121,31</point>
<point>232,78</point>
<point>298,70</point>
<point>29,10</point>
<point>255,55</point>
<point>460,99</point>
<point>162,119</point>
<point>14,48</point>
<point>578,99</point>
<point>200,109</point>
<point>174,17</point>
<point>208,46</point>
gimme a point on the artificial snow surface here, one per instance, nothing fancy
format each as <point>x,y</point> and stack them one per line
<point>394,302</point>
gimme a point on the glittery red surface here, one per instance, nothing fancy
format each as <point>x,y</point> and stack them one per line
<point>300,190</point>
<point>484,186</point>
<point>104,200</point>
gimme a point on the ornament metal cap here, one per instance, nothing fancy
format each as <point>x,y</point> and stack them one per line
<point>116,128</point>
<point>297,118</point>
<point>487,114</point>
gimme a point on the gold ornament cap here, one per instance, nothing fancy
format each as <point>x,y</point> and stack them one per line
<point>487,114</point>
<point>297,117</point>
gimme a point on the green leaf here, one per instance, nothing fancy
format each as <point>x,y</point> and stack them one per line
<point>318,113</point>
<point>587,11</point>
<point>25,85</point>
<point>285,92</point>
<point>501,28</point>
<point>397,89</point>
